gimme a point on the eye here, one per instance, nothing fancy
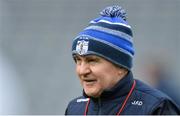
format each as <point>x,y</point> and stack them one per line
<point>77,59</point>
<point>93,60</point>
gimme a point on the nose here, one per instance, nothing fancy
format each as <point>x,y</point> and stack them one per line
<point>83,69</point>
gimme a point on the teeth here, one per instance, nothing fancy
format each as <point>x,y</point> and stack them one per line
<point>89,80</point>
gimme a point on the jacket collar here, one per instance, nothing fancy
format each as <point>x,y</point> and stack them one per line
<point>120,89</point>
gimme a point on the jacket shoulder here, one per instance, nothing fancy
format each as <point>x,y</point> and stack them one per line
<point>153,98</point>
<point>150,92</point>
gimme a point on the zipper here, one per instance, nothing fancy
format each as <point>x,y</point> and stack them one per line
<point>99,105</point>
<point>122,107</point>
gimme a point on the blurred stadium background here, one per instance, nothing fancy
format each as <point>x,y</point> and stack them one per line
<point>37,73</point>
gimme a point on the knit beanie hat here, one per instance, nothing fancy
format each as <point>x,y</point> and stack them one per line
<point>108,36</point>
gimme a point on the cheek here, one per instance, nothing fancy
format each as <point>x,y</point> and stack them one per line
<point>106,72</point>
<point>107,77</point>
<point>102,77</point>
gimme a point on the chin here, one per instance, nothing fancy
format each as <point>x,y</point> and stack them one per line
<point>92,94</point>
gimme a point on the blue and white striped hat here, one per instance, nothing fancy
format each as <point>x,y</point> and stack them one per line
<point>108,36</point>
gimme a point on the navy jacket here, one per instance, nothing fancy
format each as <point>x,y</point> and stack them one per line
<point>143,100</point>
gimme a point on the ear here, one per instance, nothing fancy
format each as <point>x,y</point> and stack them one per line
<point>122,72</point>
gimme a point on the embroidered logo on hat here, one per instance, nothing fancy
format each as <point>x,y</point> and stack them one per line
<point>82,45</point>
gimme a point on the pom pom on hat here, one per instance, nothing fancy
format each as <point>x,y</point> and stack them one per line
<point>114,11</point>
<point>108,36</point>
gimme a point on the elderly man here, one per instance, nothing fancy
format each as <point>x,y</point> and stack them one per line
<point>103,53</point>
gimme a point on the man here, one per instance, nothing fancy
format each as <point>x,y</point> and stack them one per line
<point>103,53</point>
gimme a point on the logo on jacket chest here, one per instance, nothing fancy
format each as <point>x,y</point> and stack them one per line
<point>82,100</point>
<point>137,102</point>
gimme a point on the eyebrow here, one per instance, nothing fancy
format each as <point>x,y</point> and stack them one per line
<point>86,56</point>
<point>91,56</point>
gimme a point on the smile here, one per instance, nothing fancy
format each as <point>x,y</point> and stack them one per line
<point>89,82</point>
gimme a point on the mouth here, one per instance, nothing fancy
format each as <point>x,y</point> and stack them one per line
<point>89,82</point>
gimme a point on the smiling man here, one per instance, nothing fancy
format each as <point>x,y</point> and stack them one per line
<point>103,53</point>
<point>97,74</point>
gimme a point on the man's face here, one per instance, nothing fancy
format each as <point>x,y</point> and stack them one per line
<point>97,74</point>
